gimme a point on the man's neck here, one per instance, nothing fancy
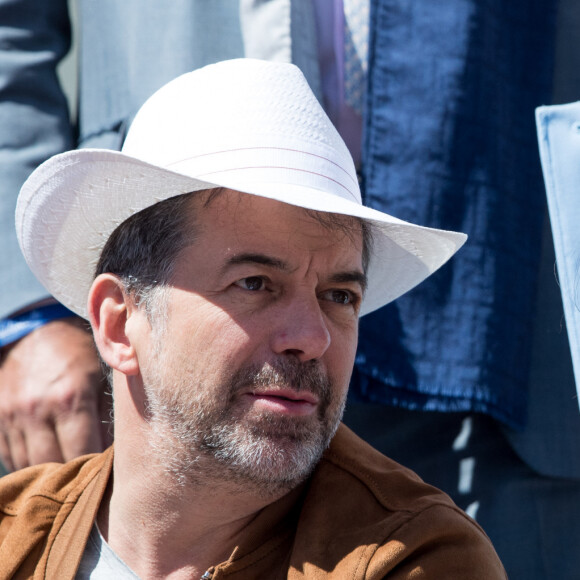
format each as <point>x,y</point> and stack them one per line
<point>163,529</point>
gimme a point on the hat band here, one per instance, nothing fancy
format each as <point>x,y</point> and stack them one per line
<point>271,165</point>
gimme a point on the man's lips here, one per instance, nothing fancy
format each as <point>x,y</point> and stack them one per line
<point>285,401</point>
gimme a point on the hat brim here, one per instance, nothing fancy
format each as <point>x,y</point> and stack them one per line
<point>73,202</point>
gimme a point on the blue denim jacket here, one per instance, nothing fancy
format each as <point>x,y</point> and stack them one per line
<point>450,143</point>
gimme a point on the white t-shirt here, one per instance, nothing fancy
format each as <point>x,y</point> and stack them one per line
<point>101,563</point>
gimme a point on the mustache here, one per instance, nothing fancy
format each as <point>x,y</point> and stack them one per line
<point>284,373</point>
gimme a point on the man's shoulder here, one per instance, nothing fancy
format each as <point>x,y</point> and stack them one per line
<point>378,515</point>
<point>36,503</point>
<point>351,463</point>
<point>32,498</point>
<point>49,482</point>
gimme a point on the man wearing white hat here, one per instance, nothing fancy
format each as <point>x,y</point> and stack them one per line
<point>223,260</point>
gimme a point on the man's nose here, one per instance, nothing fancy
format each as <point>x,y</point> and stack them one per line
<point>301,329</point>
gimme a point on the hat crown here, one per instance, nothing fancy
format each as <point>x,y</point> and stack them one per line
<point>194,117</point>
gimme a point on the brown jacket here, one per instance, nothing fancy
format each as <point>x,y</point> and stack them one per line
<point>360,516</point>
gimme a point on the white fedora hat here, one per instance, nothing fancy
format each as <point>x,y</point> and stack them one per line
<point>248,125</point>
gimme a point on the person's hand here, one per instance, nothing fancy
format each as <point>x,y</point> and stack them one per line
<point>53,405</point>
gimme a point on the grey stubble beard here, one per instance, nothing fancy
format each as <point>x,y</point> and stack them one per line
<point>199,439</point>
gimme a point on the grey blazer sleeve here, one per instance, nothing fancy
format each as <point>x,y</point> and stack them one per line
<point>34,122</point>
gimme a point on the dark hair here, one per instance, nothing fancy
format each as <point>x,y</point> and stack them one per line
<point>142,250</point>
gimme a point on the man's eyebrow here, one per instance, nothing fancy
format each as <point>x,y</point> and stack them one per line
<point>261,259</point>
<point>352,276</point>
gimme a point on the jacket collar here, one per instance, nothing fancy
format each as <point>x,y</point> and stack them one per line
<point>70,538</point>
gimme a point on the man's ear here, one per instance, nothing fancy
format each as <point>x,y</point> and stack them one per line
<point>109,309</point>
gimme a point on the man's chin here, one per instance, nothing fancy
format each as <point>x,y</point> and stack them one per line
<point>268,457</point>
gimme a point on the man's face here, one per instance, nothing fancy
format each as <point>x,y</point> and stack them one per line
<point>251,372</point>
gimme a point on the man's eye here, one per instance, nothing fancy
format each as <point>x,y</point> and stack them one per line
<point>252,283</point>
<point>340,296</point>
